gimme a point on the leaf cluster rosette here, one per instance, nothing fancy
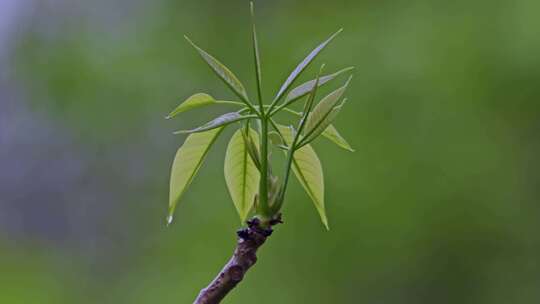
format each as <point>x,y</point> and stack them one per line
<point>249,177</point>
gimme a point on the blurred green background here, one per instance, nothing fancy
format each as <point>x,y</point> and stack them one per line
<point>439,204</point>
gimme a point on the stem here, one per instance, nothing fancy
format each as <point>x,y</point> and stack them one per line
<point>274,125</point>
<point>276,110</point>
<point>243,258</point>
<point>256,58</point>
<point>263,185</point>
<point>290,156</point>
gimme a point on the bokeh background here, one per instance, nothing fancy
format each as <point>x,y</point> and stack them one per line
<point>439,204</point>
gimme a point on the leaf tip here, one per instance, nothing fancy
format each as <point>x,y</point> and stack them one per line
<point>337,33</point>
<point>325,223</point>
<point>169,219</point>
<point>189,40</point>
<point>345,70</point>
<point>348,147</point>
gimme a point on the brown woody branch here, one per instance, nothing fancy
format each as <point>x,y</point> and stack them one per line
<point>244,257</point>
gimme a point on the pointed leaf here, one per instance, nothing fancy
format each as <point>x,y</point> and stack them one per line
<point>187,162</point>
<point>223,120</point>
<point>222,72</point>
<point>241,174</point>
<point>302,66</point>
<point>320,127</point>
<point>194,101</point>
<point>304,89</point>
<point>323,114</point>
<point>308,170</point>
<point>333,135</point>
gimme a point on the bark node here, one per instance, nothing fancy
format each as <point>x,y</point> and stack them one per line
<point>244,257</point>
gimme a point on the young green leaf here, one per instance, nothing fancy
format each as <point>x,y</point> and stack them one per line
<point>333,135</point>
<point>302,66</point>
<point>304,89</point>
<point>323,124</point>
<point>223,120</point>
<point>222,72</point>
<point>241,174</point>
<point>308,170</point>
<point>192,102</point>
<point>187,162</point>
<point>323,114</point>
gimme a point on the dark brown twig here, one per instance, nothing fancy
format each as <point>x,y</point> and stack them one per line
<point>244,257</point>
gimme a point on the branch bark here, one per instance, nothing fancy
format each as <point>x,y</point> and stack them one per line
<point>243,258</point>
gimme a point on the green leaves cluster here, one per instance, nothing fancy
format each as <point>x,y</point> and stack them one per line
<point>248,172</point>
